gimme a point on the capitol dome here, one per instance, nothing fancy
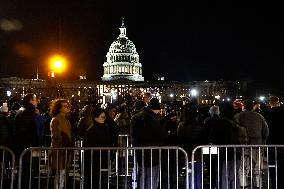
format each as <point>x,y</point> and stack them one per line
<point>122,45</point>
<point>122,60</point>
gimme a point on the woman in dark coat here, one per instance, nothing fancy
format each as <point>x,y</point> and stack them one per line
<point>99,135</point>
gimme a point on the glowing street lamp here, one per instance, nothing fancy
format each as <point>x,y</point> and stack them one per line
<point>261,98</point>
<point>194,92</point>
<point>9,93</point>
<point>57,63</point>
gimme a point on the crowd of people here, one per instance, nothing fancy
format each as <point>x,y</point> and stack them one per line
<point>59,123</point>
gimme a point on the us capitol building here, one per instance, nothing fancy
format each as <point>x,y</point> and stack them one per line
<point>122,60</point>
<point>122,78</point>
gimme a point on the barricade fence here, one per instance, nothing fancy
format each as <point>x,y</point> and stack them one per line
<point>237,166</point>
<point>7,168</point>
<point>103,167</point>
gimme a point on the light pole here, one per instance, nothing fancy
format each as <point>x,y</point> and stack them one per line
<point>57,64</point>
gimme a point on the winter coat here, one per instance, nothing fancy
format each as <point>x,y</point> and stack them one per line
<point>257,128</point>
<point>25,131</point>
<point>148,131</point>
<point>61,136</point>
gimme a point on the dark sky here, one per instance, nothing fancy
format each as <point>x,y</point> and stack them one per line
<point>183,41</point>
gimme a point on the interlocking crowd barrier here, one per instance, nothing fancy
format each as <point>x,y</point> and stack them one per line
<point>237,166</point>
<point>104,167</point>
<point>7,168</point>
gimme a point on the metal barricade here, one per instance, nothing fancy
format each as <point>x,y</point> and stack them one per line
<point>149,167</point>
<point>7,168</point>
<point>237,166</point>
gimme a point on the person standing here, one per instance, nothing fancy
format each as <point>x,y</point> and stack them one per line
<point>148,131</point>
<point>147,97</point>
<point>86,121</point>
<point>61,136</point>
<point>257,131</point>
<point>95,161</point>
<point>25,133</point>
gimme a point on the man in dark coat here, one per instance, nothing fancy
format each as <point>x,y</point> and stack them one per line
<point>148,131</point>
<point>25,133</point>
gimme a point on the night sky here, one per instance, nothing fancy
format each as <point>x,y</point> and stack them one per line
<point>183,41</point>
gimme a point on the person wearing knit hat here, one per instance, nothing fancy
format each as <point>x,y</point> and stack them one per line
<point>139,105</point>
<point>214,110</point>
<point>147,130</point>
<point>154,105</point>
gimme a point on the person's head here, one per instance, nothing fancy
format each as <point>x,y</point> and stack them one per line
<point>111,110</point>
<point>139,105</point>
<point>185,100</point>
<point>274,101</point>
<point>59,106</point>
<point>147,97</point>
<point>214,111</point>
<point>256,106</point>
<point>99,115</point>
<point>226,110</point>
<point>154,105</point>
<point>43,104</point>
<point>237,104</point>
<point>190,113</point>
<point>16,106</point>
<point>248,105</point>
<point>30,98</point>
<point>4,108</point>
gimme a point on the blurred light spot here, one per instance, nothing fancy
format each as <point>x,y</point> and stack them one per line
<point>10,25</point>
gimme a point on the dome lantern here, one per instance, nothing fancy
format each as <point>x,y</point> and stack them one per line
<point>122,29</point>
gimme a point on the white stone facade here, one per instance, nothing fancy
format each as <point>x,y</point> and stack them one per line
<point>122,60</point>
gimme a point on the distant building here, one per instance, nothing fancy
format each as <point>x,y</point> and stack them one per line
<point>122,79</point>
<point>19,86</point>
<point>84,90</point>
<point>122,60</point>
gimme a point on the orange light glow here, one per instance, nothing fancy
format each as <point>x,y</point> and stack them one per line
<point>57,63</point>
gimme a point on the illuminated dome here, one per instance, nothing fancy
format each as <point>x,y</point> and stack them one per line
<point>122,60</point>
<point>122,45</point>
